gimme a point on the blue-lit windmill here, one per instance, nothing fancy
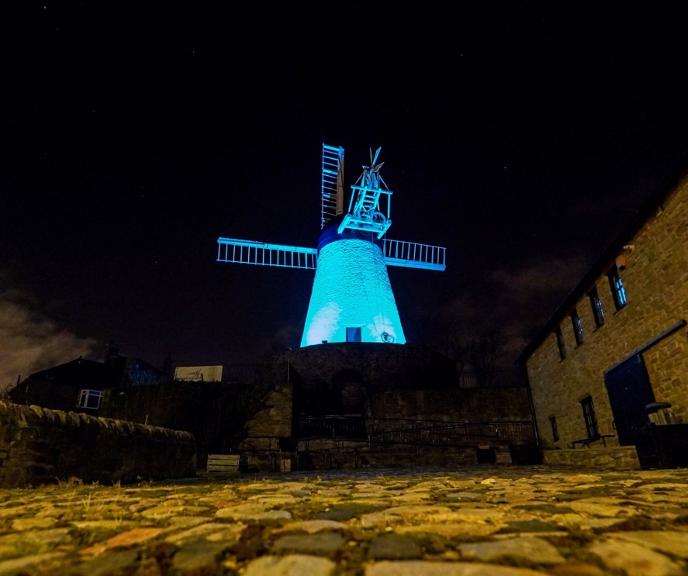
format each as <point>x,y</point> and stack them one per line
<point>352,298</point>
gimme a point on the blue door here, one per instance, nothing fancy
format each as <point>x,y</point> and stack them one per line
<point>353,334</point>
<point>629,390</point>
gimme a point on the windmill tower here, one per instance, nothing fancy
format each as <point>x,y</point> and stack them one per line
<point>352,298</point>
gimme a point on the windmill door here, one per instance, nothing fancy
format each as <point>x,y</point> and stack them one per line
<point>629,390</point>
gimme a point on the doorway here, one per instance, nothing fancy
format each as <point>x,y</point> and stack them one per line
<point>629,389</point>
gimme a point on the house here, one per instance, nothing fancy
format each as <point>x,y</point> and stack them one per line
<point>609,371</point>
<point>79,384</point>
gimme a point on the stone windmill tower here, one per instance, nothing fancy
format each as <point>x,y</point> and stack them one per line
<point>352,298</point>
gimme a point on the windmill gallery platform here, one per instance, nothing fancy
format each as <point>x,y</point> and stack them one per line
<point>358,405</point>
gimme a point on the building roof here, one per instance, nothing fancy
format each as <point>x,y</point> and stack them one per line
<point>74,372</point>
<point>115,371</point>
<point>603,262</point>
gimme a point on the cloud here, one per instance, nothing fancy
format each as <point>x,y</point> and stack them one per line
<point>29,341</point>
<point>512,302</point>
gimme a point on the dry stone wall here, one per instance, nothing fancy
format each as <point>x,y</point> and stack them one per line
<point>38,445</point>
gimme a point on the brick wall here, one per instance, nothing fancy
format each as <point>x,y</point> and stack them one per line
<point>656,281</point>
<point>38,445</point>
<point>617,458</point>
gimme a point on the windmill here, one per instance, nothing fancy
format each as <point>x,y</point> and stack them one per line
<point>352,298</point>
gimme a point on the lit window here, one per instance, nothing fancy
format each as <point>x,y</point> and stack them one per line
<point>597,307</point>
<point>555,430</point>
<point>618,290</point>
<point>90,399</point>
<point>589,417</point>
<point>577,327</point>
<point>560,343</point>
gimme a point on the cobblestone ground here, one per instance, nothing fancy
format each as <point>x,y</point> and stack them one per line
<point>475,522</point>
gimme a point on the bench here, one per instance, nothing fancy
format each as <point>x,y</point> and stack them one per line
<point>587,441</point>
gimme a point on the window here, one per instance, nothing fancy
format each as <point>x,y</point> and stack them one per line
<point>90,399</point>
<point>560,343</point>
<point>589,417</point>
<point>555,430</point>
<point>577,327</point>
<point>597,307</point>
<point>618,290</point>
<point>353,334</point>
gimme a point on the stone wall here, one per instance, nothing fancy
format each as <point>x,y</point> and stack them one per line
<point>656,282</point>
<point>382,387</point>
<point>38,445</point>
<point>394,457</point>
<point>453,404</point>
<point>617,458</point>
<point>214,412</point>
<point>396,382</point>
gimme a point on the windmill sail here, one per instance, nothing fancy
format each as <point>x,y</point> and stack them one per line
<point>235,251</point>
<point>332,184</point>
<point>414,255</point>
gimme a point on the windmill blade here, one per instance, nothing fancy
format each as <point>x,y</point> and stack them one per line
<point>414,255</point>
<point>332,183</point>
<point>236,251</point>
<point>373,160</point>
<point>383,181</point>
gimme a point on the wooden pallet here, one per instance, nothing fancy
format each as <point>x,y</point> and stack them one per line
<point>223,464</point>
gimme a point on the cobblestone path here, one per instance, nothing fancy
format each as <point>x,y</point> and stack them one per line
<point>476,522</point>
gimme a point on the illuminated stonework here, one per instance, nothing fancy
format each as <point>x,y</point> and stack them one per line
<point>351,290</point>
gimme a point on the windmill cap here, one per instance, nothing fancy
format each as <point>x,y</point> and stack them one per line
<point>330,234</point>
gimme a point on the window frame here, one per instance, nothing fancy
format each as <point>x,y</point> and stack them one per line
<point>589,417</point>
<point>577,324</point>
<point>554,427</point>
<point>85,395</point>
<point>618,288</point>
<point>561,344</point>
<point>597,307</point>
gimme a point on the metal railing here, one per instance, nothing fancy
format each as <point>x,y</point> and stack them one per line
<point>237,251</point>
<point>386,431</point>
<point>414,254</point>
<point>333,426</point>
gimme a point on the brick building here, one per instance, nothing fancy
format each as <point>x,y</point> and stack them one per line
<point>617,344</point>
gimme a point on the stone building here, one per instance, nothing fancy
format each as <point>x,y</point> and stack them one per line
<point>617,348</point>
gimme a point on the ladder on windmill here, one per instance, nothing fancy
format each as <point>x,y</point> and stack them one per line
<point>332,183</point>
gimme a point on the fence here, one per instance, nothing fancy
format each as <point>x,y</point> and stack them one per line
<point>385,431</point>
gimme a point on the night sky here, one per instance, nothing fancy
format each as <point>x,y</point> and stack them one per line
<point>521,139</point>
